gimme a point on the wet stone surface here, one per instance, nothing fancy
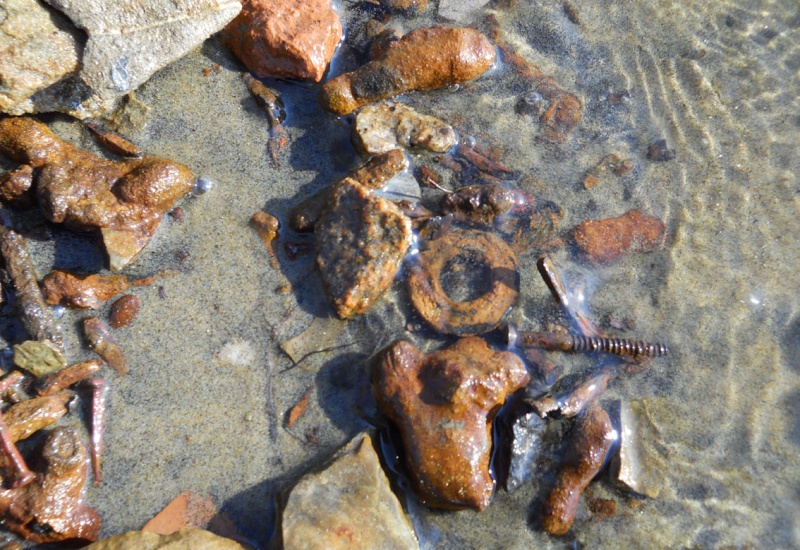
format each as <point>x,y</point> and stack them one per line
<point>360,240</point>
<point>350,504</point>
<point>444,403</point>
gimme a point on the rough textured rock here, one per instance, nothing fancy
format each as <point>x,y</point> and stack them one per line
<point>385,126</point>
<point>188,539</point>
<point>373,174</point>
<point>285,38</point>
<point>361,241</point>
<point>125,199</point>
<point>444,404</point>
<point>35,50</point>
<point>424,59</point>
<point>129,41</point>
<point>609,239</point>
<point>348,505</point>
<point>39,357</point>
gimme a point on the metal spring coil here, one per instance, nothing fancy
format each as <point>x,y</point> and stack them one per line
<point>618,346</point>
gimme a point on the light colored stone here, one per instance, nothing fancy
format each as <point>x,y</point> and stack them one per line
<point>349,505</point>
<point>381,127</point>
<point>129,40</point>
<point>188,539</point>
<point>461,11</point>
<point>39,357</point>
<point>35,51</point>
<point>639,464</point>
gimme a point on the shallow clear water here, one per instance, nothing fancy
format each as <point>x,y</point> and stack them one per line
<point>720,83</point>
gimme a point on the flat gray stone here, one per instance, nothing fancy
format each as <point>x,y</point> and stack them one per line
<point>348,505</point>
<point>462,11</point>
<point>35,50</point>
<point>128,41</point>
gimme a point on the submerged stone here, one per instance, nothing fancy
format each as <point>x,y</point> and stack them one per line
<point>348,505</point>
<point>424,59</point>
<point>385,126</point>
<point>444,404</point>
<point>360,240</point>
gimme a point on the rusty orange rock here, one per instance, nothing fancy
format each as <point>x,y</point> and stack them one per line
<point>424,59</point>
<point>285,38</point>
<point>444,404</point>
<point>591,439</point>
<point>606,240</point>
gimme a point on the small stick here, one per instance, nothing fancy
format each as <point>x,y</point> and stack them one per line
<point>19,474</point>
<point>99,390</point>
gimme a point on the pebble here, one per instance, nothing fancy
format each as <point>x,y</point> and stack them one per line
<point>381,127</point>
<point>285,39</point>
<point>606,240</point>
<point>350,504</point>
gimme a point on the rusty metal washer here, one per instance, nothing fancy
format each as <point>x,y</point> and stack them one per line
<point>472,316</point>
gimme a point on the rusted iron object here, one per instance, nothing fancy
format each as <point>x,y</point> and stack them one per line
<point>53,383</point>
<point>591,438</point>
<point>444,404</point>
<point>476,249</point>
<point>37,318</point>
<point>99,339</point>
<point>558,110</point>
<point>86,290</point>
<point>16,472</point>
<point>576,400</point>
<point>551,341</point>
<point>114,143</point>
<point>272,104</point>
<point>99,391</point>
<point>51,509</point>
<point>27,417</point>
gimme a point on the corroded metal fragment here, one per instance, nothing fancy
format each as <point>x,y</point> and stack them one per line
<point>99,339</point>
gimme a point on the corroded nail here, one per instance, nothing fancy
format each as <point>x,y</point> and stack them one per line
<point>99,389</point>
<point>18,473</point>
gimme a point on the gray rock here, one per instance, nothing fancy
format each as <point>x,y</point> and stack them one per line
<point>35,50</point>
<point>348,505</point>
<point>460,10</point>
<point>128,41</point>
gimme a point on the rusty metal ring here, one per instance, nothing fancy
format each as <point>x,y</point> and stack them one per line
<point>472,316</point>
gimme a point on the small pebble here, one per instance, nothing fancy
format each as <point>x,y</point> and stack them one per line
<point>123,311</point>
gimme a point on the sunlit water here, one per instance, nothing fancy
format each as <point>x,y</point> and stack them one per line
<point>720,83</point>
